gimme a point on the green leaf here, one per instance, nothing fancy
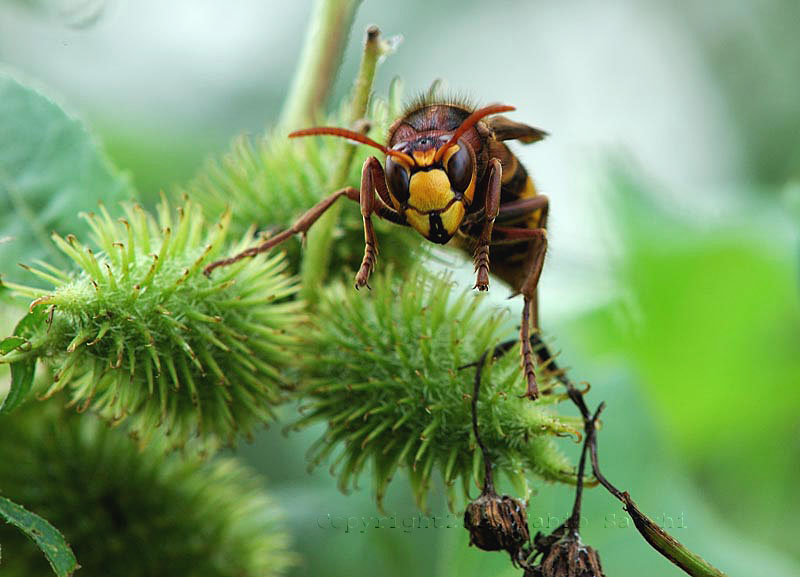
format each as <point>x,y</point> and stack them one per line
<point>51,168</point>
<point>23,370</point>
<point>22,373</point>
<point>8,344</point>
<point>46,537</point>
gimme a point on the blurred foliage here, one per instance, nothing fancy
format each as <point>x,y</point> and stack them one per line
<point>753,54</point>
<point>711,314</point>
<point>51,168</point>
<point>74,13</point>
<point>155,160</point>
<point>131,512</point>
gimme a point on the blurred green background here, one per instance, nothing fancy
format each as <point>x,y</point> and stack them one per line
<point>672,283</point>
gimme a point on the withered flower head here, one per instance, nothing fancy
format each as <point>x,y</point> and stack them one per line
<point>563,555</point>
<point>498,524</point>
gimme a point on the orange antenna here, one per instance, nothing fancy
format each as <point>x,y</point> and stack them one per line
<point>469,122</point>
<point>351,135</point>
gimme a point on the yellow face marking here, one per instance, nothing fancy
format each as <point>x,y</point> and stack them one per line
<point>469,194</point>
<point>429,190</point>
<point>452,217</point>
<point>450,152</point>
<point>424,157</point>
<point>420,222</point>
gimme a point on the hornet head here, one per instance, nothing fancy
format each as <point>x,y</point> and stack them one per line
<point>431,178</point>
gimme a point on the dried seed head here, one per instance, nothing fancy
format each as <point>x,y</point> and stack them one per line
<point>498,524</point>
<point>563,555</point>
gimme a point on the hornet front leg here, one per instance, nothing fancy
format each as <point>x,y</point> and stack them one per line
<point>372,179</point>
<point>491,209</point>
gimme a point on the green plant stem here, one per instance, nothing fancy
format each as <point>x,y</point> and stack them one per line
<point>324,45</point>
<point>320,238</point>
<point>690,562</point>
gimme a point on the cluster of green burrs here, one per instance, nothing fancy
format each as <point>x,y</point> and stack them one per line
<point>139,334</point>
<point>387,374</point>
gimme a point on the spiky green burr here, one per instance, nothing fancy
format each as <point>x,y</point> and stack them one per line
<point>139,334</point>
<point>383,372</point>
<point>269,181</point>
<point>133,512</point>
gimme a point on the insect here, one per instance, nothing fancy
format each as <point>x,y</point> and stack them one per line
<point>448,174</point>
